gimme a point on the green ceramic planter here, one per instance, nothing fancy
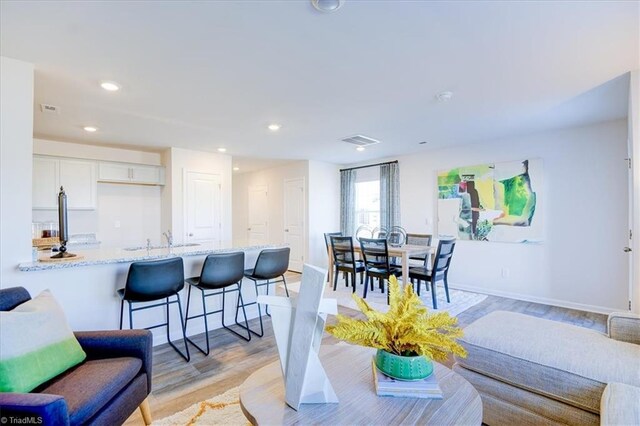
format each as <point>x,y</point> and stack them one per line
<point>403,367</point>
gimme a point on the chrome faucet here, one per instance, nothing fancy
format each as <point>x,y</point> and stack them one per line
<point>169,236</point>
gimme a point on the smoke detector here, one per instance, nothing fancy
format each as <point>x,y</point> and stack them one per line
<point>444,96</point>
<point>327,6</point>
<point>360,140</point>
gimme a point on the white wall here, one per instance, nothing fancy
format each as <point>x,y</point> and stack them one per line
<point>634,153</point>
<point>273,179</point>
<point>580,263</point>
<point>324,208</point>
<point>137,208</point>
<point>179,161</point>
<point>16,134</point>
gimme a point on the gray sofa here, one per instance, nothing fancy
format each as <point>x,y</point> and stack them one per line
<point>530,370</point>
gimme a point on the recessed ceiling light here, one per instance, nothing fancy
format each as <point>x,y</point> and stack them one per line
<point>360,148</point>
<point>444,96</point>
<point>90,129</point>
<point>222,149</point>
<point>327,5</point>
<point>235,169</point>
<point>110,86</point>
<point>274,127</point>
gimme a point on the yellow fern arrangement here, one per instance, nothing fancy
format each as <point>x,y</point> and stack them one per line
<point>406,329</point>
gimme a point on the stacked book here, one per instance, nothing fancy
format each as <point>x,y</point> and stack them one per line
<point>388,386</point>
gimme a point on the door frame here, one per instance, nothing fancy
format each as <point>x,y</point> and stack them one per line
<point>305,249</point>
<point>185,215</point>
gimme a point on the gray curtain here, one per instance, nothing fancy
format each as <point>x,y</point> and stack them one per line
<point>389,195</point>
<point>347,201</point>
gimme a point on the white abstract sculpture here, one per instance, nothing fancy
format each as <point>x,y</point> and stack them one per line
<point>298,325</point>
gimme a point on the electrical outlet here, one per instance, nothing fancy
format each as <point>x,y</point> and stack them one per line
<point>116,224</point>
<point>505,272</point>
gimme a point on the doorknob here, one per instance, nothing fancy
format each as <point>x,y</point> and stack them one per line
<point>626,249</point>
<point>190,234</point>
<point>286,230</point>
<point>248,229</point>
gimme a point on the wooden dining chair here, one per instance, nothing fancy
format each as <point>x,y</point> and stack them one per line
<point>438,272</point>
<point>419,240</point>
<point>376,262</point>
<point>344,260</point>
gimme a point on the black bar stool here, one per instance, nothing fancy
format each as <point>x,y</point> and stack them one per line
<point>150,281</point>
<point>270,265</point>
<point>219,272</point>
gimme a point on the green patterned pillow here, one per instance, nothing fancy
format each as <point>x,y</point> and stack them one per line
<point>36,344</point>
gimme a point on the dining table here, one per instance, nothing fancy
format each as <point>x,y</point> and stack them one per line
<point>404,252</point>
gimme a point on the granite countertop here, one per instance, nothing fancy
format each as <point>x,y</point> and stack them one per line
<point>105,256</point>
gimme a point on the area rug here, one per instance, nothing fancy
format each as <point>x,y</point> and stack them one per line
<point>460,300</point>
<point>221,410</point>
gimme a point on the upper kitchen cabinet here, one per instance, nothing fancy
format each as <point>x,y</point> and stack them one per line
<point>130,173</point>
<point>78,177</point>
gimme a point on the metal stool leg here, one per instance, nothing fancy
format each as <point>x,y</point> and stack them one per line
<point>121,312</point>
<point>130,316</point>
<point>259,313</point>
<point>184,355</point>
<point>284,280</point>
<point>206,324</point>
<point>224,292</point>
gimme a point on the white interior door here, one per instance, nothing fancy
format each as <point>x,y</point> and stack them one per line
<point>294,221</point>
<point>628,248</point>
<point>258,215</point>
<point>202,207</point>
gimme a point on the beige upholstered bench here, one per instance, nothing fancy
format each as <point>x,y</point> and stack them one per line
<point>530,370</point>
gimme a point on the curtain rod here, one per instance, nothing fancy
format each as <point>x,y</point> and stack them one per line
<point>370,165</point>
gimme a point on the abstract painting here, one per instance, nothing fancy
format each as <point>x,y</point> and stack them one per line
<point>491,202</point>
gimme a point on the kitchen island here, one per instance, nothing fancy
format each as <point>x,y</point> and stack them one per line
<point>86,288</point>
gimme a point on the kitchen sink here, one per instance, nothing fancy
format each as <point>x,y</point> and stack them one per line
<point>136,248</point>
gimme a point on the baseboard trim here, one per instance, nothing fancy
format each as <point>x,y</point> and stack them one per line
<point>543,300</point>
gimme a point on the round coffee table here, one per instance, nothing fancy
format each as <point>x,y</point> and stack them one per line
<point>349,370</point>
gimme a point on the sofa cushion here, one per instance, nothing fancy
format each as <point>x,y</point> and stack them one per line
<point>620,405</point>
<point>91,385</point>
<point>561,361</point>
<point>37,344</point>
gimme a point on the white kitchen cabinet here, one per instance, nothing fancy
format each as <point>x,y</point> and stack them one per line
<point>114,172</point>
<point>130,173</point>
<point>78,177</point>
<point>45,182</point>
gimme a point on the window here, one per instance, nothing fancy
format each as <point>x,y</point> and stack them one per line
<point>367,204</point>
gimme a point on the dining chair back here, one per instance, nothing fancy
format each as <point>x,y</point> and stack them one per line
<point>327,238</point>
<point>419,240</point>
<point>375,253</point>
<point>344,260</point>
<point>439,271</point>
<point>442,260</point>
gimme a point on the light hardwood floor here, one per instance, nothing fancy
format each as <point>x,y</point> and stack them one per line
<point>177,384</point>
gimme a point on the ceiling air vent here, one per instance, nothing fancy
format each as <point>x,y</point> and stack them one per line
<point>360,140</point>
<point>51,109</point>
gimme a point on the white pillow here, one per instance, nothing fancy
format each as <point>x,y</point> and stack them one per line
<point>36,344</point>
